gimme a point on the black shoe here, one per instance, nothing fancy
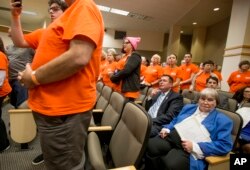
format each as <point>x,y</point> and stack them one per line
<point>38,160</point>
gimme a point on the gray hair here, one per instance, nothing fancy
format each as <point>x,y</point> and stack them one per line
<point>210,92</point>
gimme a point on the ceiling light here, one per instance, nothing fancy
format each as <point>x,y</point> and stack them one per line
<point>118,11</point>
<point>216,9</point>
<point>103,8</point>
<point>194,23</point>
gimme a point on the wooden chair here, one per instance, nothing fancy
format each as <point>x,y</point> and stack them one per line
<point>222,162</point>
<point>22,125</point>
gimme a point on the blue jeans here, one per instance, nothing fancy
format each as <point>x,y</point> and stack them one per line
<point>18,94</point>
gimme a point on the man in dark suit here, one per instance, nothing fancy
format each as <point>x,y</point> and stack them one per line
<point>163,104</point>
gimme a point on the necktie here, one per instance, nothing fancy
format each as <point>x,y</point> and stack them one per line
<point>155,107</point>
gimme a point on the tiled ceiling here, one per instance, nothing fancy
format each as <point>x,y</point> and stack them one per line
<point>161,14</point>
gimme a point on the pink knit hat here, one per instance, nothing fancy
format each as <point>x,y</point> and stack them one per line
<point>134,41</point>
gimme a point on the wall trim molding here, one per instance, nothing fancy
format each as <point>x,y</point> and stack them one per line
<point>237,54</point>
<point>236,47</point>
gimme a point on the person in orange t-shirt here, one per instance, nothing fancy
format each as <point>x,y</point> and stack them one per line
<point>5,89</point>
<point>127,73</point>
<point>241,78</point>
<point>188,71</point>
<point>173,70</point>
<point>109,69</point>
<point>153,72</point>
<point>199,80</point>
<point>62,83</point>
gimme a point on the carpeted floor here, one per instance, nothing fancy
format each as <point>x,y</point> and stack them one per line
<point>14,159</point>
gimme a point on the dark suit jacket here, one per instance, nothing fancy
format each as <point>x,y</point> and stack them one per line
<point>170,108</point>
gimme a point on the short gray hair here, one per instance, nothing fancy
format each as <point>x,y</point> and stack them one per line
<point>210,92</point>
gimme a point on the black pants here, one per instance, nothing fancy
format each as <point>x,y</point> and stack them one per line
<point>4,142</point>
<point>166,154</point>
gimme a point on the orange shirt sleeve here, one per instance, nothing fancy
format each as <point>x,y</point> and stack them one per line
<point>33,38</point>
<point>5,89</point>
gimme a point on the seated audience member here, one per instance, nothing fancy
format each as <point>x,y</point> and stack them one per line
<point>240,78</point>
<point>244,138</point>
<point>170,151</point>
<point>199,80</point>
<point>163,104</point>
<point>213,82</point>
<point>242,96</point>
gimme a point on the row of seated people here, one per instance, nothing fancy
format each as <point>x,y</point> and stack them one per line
<point>164,105</point>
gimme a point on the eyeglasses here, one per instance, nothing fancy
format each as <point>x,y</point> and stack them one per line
<point>54,9</point>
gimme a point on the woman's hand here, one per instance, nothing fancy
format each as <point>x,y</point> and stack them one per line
<point>15,11</point>
<point>187,146</point>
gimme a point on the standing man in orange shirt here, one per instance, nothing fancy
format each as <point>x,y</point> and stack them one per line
<point>188,71</point>
<point>62,83</point>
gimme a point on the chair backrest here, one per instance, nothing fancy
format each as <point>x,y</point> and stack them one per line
<point>232,105</point>
<point>186,101</point>
<point>148,93</point>
<point>192,95</point>
<point>237,124</point>
<point>99,86</point>
<point>22,125</point>
<point>226,93</point>
<point>103,100</point>
<point>113,111</point>
<point>143,94</point>
<point>128,142</point>
<point>246,104</point>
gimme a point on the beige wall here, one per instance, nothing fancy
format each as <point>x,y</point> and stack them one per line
<point>150,41</point>
<point>216,41</point>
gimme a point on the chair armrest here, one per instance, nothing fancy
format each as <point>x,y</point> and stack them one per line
<point>138,102</point>
<point>20,111</point>
<point>100,128</point>
<point>97,111</point>
<point>217,159</point>
<point>131,167</point>
<point>97,115</point>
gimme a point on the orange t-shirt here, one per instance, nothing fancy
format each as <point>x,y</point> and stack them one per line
<point>6,88</point>
<point>174,73</point>
<point>105,74</point>
<point>186,72</point>
<point>238,80</point>
<point>34,38</point>
<point>77,93</point>
<point>143,69</point>
<point>153,73</point>
<point>200,81</point>
<point>218,74</point>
